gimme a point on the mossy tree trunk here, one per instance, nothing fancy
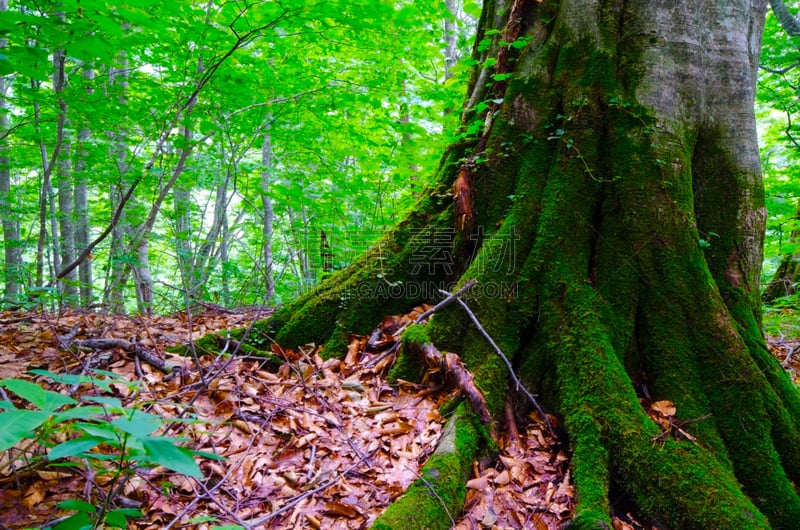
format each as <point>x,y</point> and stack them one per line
<point>609,203</point>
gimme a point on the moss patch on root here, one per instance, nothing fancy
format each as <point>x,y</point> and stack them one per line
<point>435,500</point>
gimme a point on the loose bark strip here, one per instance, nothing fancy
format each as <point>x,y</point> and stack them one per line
<point>464,186</point>
<point>451,366</point>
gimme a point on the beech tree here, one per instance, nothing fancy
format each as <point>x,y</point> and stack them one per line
<point>606,195</point>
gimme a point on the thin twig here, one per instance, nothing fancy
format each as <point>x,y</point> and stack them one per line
<point>788,358</point>
<point>374,362</point>
<point>517,382</point>
<point>211,495</point>
<point>450,297</point>
<point>218,484</point>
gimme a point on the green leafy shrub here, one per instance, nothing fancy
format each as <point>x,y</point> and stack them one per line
<point>97,431</point>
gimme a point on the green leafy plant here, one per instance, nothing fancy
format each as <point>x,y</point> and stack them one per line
<point>98,431</point>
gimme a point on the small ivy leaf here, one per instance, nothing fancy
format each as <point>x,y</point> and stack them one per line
<point>704,243</point>
<point>520,42</point>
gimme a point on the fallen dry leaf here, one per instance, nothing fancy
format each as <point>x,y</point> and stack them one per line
<point>665,408</point>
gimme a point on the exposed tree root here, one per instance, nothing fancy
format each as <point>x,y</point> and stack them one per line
<point>450,365</point>
<point>435,500</point>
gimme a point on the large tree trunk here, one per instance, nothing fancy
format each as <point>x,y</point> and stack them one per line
<point>608,201</point>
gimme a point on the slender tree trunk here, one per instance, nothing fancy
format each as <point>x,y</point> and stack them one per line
<point>184,247</point>
<point>610,205</point>
<point>209,253</point>
<point>267,211</point>
<point>300,244</point>
<point>450,38</point>
<point>784,281</point>
<point>116,277</point>
<point>224,257</point>
<point>119,264</point>
<point>68,286</point>
<point>12,245</point>
<point>47,196</point>
<point>143,281</point>
<point>82,222</point>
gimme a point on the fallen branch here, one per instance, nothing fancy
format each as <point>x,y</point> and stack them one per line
<point>126,345</point>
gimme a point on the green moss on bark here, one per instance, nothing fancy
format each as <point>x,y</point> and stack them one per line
<point>406,366</point>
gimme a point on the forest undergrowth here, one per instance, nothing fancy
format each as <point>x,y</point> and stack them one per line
<point>299,442</point>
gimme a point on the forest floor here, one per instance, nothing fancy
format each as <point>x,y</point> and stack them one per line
<point>309,444</point>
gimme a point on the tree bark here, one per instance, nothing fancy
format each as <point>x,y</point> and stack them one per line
<point>607,197</point>
<point>68,285</point>
<point>82,220</point>
<point>13,267</point>
<point>267,210</point>
<point>119,262</point>
<point>184,247</point>
<point>208,254</point>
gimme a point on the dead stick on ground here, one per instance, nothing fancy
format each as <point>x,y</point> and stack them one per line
<point>217,484</point>
<point>517,382</point>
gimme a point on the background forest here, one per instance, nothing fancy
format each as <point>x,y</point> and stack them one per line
<point>163,154</point>
<point>159,153</point>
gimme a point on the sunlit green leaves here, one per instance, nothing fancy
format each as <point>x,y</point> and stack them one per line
<point>777,108</point>
<point>353,94</point>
